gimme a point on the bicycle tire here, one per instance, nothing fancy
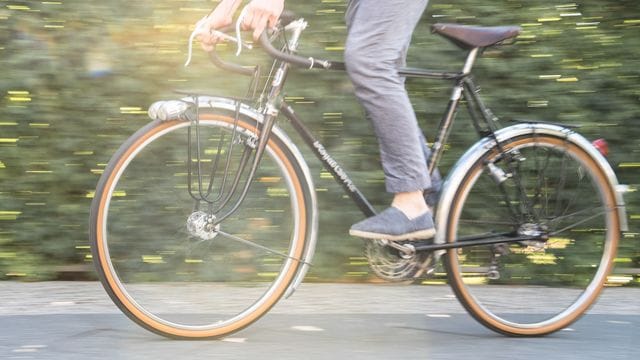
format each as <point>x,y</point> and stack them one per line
<point>134,250</point>
<point>563,275</point>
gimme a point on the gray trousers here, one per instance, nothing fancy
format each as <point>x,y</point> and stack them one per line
<point>379,34</point>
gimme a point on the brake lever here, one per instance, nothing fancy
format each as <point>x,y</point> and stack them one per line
<point>237,39</point>
<point>195,31</point>
<point>238,34</point>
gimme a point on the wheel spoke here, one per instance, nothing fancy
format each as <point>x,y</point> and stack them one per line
<point>576,224</point>
<point>258,246</point>
<point>487,222</point>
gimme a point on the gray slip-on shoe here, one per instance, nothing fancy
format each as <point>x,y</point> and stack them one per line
<point>393,225</point>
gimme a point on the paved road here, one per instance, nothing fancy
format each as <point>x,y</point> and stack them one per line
<point>77,320</point>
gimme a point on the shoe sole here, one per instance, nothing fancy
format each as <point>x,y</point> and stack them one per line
<point>416,235</point>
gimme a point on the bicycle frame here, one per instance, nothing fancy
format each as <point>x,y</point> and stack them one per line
<point>482,119</point>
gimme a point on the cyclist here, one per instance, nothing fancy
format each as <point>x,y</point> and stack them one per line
<point>379,33</point>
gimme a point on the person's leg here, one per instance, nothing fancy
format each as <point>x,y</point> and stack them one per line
<point>379,36</point>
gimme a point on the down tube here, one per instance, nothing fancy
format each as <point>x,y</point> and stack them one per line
<point>329,163</point>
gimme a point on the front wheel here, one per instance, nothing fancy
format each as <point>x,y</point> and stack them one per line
<point>156,250</point>
<point>555,196</point>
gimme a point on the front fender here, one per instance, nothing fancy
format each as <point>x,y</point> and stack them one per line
<point>233,105</point>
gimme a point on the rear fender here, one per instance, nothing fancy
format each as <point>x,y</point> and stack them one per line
<point>464,164</point>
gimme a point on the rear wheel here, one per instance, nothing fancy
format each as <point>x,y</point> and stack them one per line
<point>156,250</point>
<point>554,194</point>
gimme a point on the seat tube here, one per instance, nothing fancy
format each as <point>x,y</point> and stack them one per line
<point>444,128</point>
<point>471,59</point>
<point>445,125</point>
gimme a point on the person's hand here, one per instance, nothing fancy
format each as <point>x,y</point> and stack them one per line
<point>221,17</point>
<point>260,14</point>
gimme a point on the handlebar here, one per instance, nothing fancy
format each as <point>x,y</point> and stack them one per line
<point>267,46</point>
<point>226,65</point>
<point>309,62</point>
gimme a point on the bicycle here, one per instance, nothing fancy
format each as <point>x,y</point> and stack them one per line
<point>207,216</point>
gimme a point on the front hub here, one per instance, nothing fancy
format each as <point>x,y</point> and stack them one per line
<point>202,225</point>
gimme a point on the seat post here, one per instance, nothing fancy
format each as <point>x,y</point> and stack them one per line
<point>471,59</point>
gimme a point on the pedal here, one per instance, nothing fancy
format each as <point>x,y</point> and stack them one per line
<point>405,248</point>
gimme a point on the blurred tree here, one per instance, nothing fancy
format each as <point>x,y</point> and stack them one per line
<point>78,77</point>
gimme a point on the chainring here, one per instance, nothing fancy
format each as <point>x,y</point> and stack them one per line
<point>391,265</point>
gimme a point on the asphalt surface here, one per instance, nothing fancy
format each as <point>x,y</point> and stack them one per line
<point>76,320</point>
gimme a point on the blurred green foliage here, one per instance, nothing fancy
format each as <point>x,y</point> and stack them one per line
<point>77,77</point>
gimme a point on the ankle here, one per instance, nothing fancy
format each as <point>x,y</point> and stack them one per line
<point>412,204</point>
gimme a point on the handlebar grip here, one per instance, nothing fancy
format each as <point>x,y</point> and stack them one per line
<point>225,65</point>
<point>217,61</point>
<point>309,63</point>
